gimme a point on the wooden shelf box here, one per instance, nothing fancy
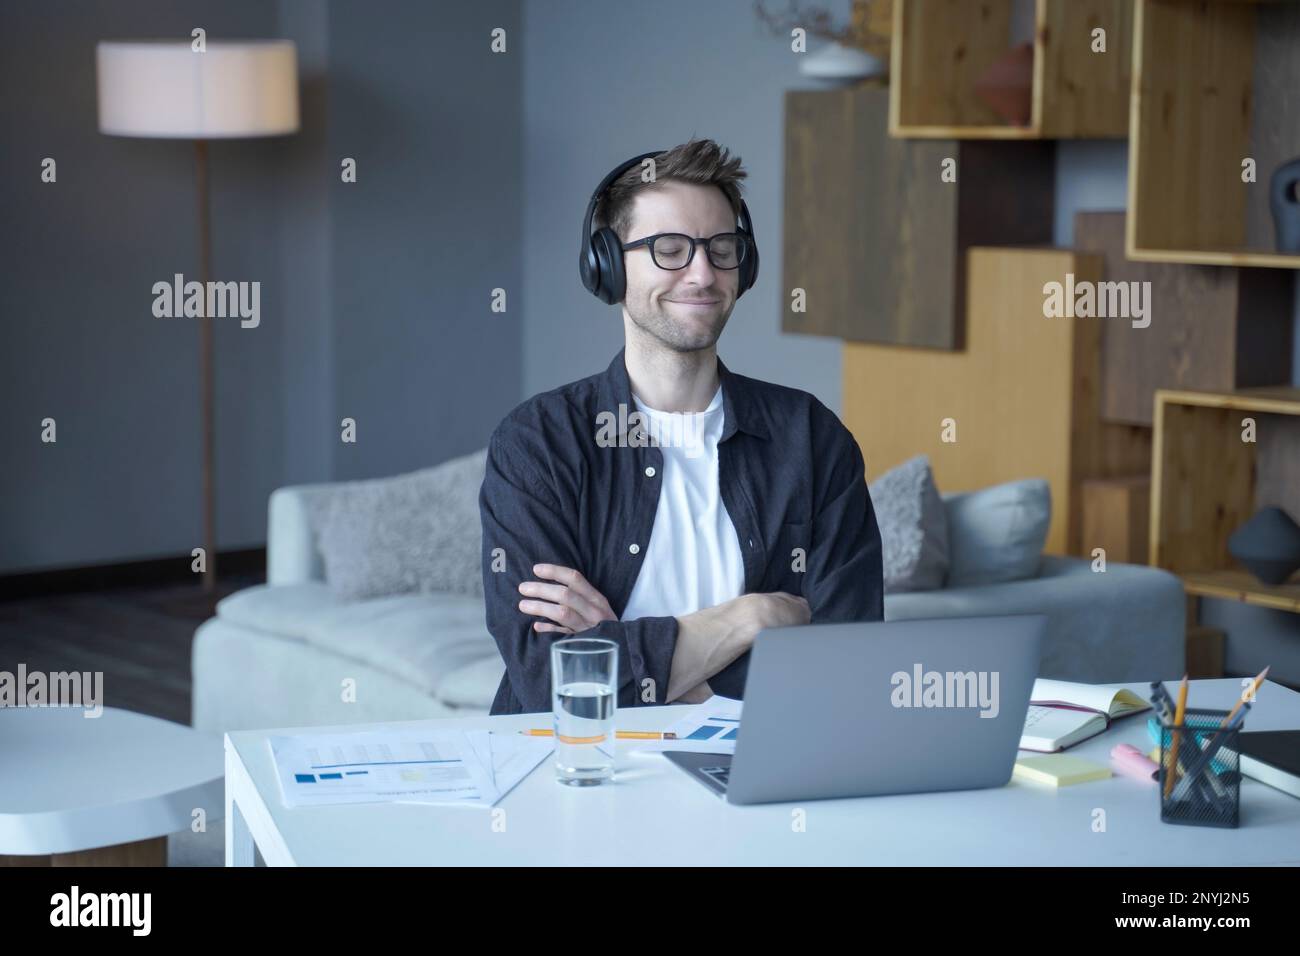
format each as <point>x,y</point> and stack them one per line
<point>874,236</point>
<point>1214,83</point>
<point>1206,482</point>
<point>941,49</point>
<point>1210,328</point>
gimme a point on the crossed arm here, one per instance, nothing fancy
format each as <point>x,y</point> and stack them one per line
<point>707,640</point>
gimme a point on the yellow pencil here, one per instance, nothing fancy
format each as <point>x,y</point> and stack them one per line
<point>1179,712</point>
<point>1237,706</point>
<point>620,734</point>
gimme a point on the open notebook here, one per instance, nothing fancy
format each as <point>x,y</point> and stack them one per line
<point>1062,713</point>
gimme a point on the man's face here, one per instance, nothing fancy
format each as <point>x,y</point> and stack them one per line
<point>685,309</point>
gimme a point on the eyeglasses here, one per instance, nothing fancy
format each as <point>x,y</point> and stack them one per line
<point>674,250</point>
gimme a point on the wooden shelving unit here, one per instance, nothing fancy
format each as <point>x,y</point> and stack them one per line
<point>1211,329</point>
<point>1206,482</point>
<point>941,48</point>
<point>873,235</point>
<point>1211,86</point>
<point>1241,586</point>
<point>1022,396</point>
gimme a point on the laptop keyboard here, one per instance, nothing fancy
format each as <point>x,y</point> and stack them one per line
<point>721,774</point>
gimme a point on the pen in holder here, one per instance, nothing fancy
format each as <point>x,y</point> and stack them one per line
<point>1205,789</point>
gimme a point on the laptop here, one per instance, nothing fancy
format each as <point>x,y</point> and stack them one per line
<point>873,708</point>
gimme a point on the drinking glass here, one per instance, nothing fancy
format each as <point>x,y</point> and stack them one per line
<point>584,674</point>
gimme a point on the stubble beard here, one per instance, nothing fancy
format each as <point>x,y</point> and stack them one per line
<point>675,335</point>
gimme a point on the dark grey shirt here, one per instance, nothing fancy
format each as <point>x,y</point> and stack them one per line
<point>565,485</point>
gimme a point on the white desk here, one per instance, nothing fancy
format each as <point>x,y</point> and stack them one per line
<point>654,814</point>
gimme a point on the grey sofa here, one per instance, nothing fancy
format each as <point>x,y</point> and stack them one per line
<point>290,653</point>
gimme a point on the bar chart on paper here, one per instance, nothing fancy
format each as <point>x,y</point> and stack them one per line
<point>365,767</point>
<point>716,728</point>
<point>471,768</point>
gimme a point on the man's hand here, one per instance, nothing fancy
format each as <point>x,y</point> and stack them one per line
<point>571,603</point>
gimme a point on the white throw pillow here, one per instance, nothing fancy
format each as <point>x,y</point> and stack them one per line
<point>418,532</point>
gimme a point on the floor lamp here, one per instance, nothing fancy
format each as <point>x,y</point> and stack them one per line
<point>170,90</point>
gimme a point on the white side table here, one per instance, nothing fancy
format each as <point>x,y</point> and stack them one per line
<point>100,791</point>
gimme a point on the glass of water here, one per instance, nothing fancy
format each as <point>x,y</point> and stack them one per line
<point>584,676</point>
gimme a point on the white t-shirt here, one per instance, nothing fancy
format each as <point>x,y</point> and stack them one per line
<point>693,559</point>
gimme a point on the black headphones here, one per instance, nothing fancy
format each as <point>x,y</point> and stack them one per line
<point>600,264</point>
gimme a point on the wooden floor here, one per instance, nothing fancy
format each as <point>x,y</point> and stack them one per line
<point>139,637</point>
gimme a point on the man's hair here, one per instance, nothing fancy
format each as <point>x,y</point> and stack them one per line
<point>701,161</point>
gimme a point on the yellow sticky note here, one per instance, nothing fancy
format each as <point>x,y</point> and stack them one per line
<point>1059,770</point>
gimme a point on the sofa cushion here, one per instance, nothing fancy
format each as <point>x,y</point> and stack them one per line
<point>997,534</point>
<point>913,527</point>
<point>289,610</point>
<point>421,638</point>
<point>413,533</point>
<point>474,685</point>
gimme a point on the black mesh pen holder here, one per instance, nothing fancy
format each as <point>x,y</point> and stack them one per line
<point>1204,788</point>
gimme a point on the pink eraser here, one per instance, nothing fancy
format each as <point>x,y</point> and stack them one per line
<point>1133,762</point>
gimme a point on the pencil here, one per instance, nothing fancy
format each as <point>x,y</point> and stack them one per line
<point>1179,713</point>
<point>1237,706</point>
<point>620,734</point>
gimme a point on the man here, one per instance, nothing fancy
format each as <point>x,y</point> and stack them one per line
<point>744,508</point>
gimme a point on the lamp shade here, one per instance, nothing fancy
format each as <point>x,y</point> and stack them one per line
<point>166,90</point>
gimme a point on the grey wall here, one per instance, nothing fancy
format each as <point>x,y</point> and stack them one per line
<point>304,185</point>
<point>370,307</point>
<point>431,227</point>
<point>1090,175</point>
<point>80,343</point>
